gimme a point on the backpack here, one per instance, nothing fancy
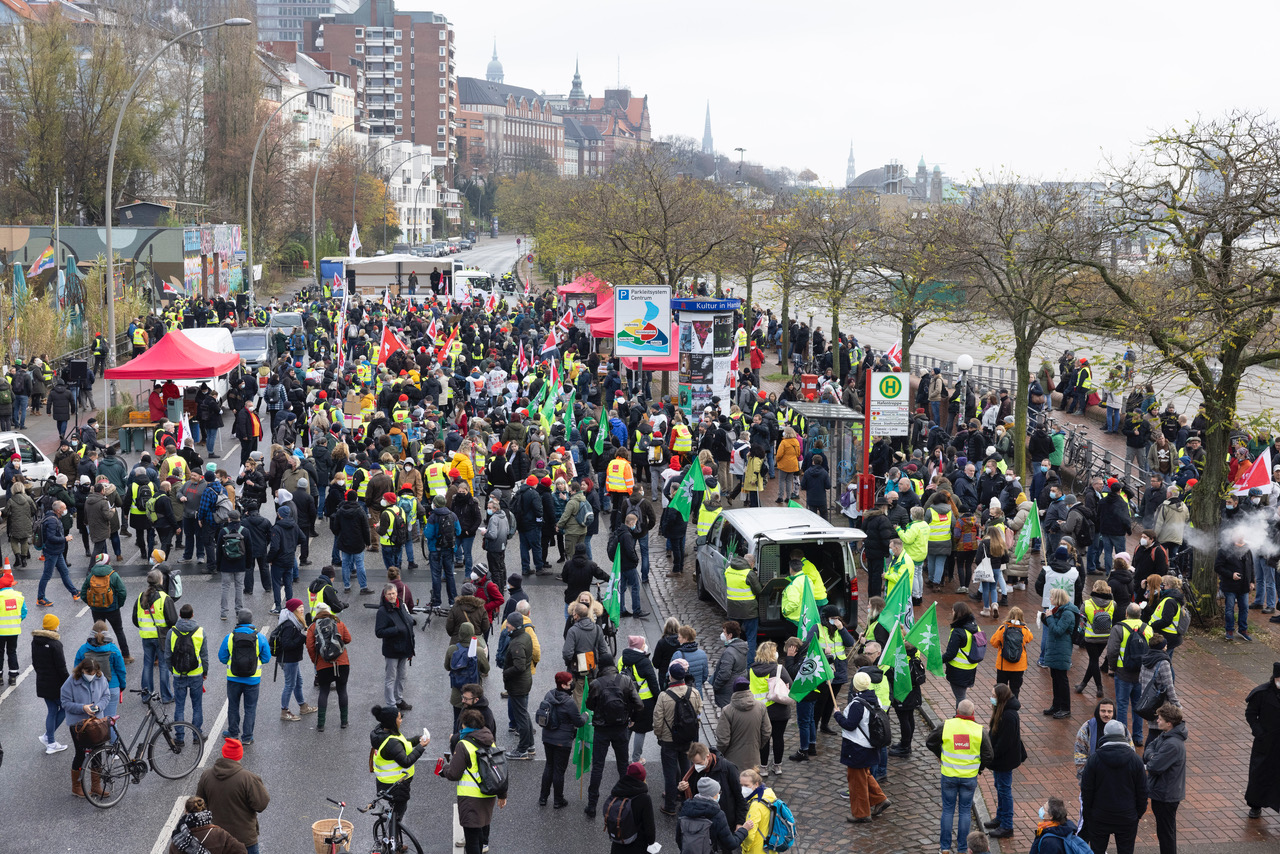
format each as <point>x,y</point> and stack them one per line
<point>399,533</point>
<point>970,533</point>
<point>612,545</point>
<point>1073,844</point>
<point>6,395</point>
<point>100,593</point>
<point>492,765</point>
<point>1150,701</point>
<point>978,649</point>
<point>445,535</point>
<point>175,583</point>
<point>1077,631</point>
<point>781,833</point>
<point>1011,648</point>
<point>1102,622</point>
<point>244,654</point>
<point>329,643</point>
<point>695,834</point>
<point>222,509</point>
<point>684,720</point>
<point>511,524</point>
<point>182,658</point>
<point>151,508</point>
<point>878,732</point>
<point>273,639</point>
<point>613,708</point>
<point>1135,649</point>
<point>103,659</point>
<point>619,822</point>
<point>233,544</point>
<point>585,515</point>
<point>547,716</point>
<point>464,669</point>
<point>144,495</point>
<point>918,673</point>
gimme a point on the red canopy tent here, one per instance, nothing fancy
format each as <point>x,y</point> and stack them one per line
<point>600,319</point>
<point>174,357</point>
<point>584,284</point>
<point>658,363</point>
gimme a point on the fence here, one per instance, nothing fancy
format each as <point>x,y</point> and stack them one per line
<point>1090,459</point>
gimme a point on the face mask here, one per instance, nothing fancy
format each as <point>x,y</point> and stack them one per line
<point>1044,468</point>
<point>993,701</point>
<point>491,511</point>
<point>724,638</point>
<point>746,791</point>
<point>1277,683</point>
<point>89,677</point>
<point>699,768</point>
<point>1008,478</point>
<point>1042,813</point>
<point>1145,542</point>
<point>1255,500</point>
<point>1053,496</point>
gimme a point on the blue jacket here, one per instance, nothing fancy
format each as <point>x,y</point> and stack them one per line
<point>431,531</point>
<point>1058,627</point>
<point>55,542</point>
<point>119,675</point>
<point>224,653</point>
<point>696,658</point>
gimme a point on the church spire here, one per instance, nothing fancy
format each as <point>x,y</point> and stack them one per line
<point>577,97</point>
<point>493,73</point>
<point>708,147</point>
<point>850,174</point>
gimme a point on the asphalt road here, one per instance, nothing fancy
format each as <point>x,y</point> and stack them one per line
<point>300,766</point>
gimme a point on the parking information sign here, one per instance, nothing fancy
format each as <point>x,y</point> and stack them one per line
<point>642,321</point>
<point>890,404</point>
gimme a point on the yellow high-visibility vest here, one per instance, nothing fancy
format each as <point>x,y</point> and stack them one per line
<point>961,748</point>
<point>1091,610</point>
<point>469,785</point>
<point>10,612</point>
<point>735,581</point>
<point>151,620</point>
<point>389,771</point>
<point>197,638</point>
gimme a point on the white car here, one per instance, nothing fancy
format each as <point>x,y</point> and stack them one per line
<point>36,467</point>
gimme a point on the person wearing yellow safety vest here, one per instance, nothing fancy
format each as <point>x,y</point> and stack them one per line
<point>475,809</point>
<point>244,651</point>
<point>938,515</point>
<point>898,568</point>
<point>960,655</point>
<point>154,613</point>
<point>837,645</point>
<point>619,481</point>
<point>635,663</point>
<point>707,519</point>
<point>139,341</point>
<point>1083,388</point>
<point>437,473</point>
<point>13,610</point>
<point>681,441</point>
<point>1168,612</point>
<point>915,538</point>
<point>815,577</point>
<point>187,639</point>
<point>793,593</point>
<point>1099,617</point>
<point>965,748</point>
<point>1126,648</point>
<point>742,594</point>
<point>392,757</point>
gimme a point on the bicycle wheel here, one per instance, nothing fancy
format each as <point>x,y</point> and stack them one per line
<point>105,776</point>
<point>175,750</point>
<point>403,838</point>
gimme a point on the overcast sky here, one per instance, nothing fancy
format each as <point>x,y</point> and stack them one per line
<point>1043,90</point>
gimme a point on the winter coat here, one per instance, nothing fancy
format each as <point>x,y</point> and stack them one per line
<point>850,719</point>
<point>211,838</point>
<point>960,631</point>
<point>60,402</point>
<point>696,660</point>
<point>495,534</point>
<point>313,652</point>
<point>732,664</point>
<point>395,626</point>
<point>1230,562</point>
<point>21,513</point>
<point>472,812</point>
<point>1171,521</point>
<point>997,640</point>
<point>119,675</point>
<point>697,810</point>
<point>816,483</point>
<point>351,526</point>
<point>1158,667</point>
<point>1007,749</point>
<point>1113,515</point>
<point>235,796</point>
<point>119,593</point>
<point>1165,759</point>
<point>99,513</point>
<point>663,650</point>
<point>1113,786</point>
<point>284,540</point>
<point>585,635</point>
<point>879,531</point>
<point>292,639</point>
<point>517,672</point>
<point>725,773</point>
<point>1056,636</point>
<point>568,718</point>
<point>743,728</point>
<point>578,574</point>
<point>49,662</point>
<point>787,457</point>
<point>75,694</point>
<point>641,813</point>
<point>1121,583</point>
<point>1060,573</point>
<point>466,609</point>
<point>664,710</point>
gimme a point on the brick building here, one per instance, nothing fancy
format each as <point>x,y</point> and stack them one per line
<point>405,68</point>
<point>520,128</point>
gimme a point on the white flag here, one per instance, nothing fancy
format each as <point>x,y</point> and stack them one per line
<point>354,243</point>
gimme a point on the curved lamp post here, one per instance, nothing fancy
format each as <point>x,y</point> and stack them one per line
<point>315,182</point>
<point>253,162</point>
<point>355,174</point>
<point>109,278</point>
<point>389,174</point>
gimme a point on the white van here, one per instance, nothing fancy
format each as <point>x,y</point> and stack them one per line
<point>218,340</point>
<point>771,534</point>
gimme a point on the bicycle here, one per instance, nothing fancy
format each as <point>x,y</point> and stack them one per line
<point>174,750</point>
<point>339,835</point>
<point>389,835</point>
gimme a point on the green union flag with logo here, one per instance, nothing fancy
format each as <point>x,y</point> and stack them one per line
<point>582,739</point>
<point>1030,531</point>
<point>682,498</point>
<point>814,669</point>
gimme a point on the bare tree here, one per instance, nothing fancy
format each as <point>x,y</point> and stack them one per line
<point>788,257</point>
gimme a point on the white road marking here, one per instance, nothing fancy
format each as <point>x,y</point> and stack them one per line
<point>14,686</point>
<point>229,453</point>
<point>83,611</point>
<point>166,830</point>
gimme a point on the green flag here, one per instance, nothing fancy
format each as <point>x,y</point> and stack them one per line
<point>568,414</point>
<point>693,481</point>
<point>814,669</point>
<point>548,412</point>
<point>893,660</point>
<point>924,636</point>
<point>897,605</point>
<point>611,596</point>
<point>1029,531</point>
<point>583,738</point>
<point>796,504</point>
<point>601,429</point>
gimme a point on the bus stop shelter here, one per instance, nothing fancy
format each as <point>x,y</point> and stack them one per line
<point>843,426</point>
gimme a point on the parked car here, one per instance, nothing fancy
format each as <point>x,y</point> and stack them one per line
<point>771,534</point>
<point>254,346</point>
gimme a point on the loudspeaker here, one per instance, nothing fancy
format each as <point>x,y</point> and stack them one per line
<point>77,371</point>
<point>351,283</point>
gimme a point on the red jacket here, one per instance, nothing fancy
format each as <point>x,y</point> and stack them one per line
<point>757,357</point>
<point>493,599</point>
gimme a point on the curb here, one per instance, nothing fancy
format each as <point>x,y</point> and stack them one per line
<point>981,813</point>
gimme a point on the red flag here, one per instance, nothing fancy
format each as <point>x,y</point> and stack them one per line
<point>895,355</point>
<point>1258,475</point>
<point>566,322</point>
<point>390,344</point>
<point>759,324</point>
<point>527,283</point>
<point>550,344</point>
<point>443,351</point>
<point>432,331</point>
<point>491,303</point>
<point>523,361</point>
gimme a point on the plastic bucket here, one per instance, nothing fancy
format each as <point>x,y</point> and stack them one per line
<point>321,829</point>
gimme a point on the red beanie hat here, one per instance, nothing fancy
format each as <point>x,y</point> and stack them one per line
<point>232,749</point>
<point>322,395</point>
<point>531,480</point>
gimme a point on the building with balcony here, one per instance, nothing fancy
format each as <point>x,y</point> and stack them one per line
<point>411,172</point>
<point>521,130</point>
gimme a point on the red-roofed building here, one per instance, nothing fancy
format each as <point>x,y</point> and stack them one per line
<point>621,120</point>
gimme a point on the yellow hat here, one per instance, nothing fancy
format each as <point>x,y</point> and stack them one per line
<point>50,623</point>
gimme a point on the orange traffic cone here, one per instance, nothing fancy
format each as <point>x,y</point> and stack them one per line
<point>8,567</point>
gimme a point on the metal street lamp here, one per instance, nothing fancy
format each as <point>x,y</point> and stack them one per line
<point>109,278</point>
<point>253,162</point>
<point>315,181</point>
<point>388,193</point>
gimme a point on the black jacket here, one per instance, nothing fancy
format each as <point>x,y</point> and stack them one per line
<point>395,626</point>
<point>607,683</point>
<point>258,531</point>
<point>567,717</point>
<point>291,643</point>
<point>528,510</point>
<point>578,573</point>
<point>49,661</point>
<point>641,813</point>
<point>1229,562</point>
<point>1007,749</point>
<point>698,810</point>
<point>1113,787</point>
<point>351,526</point>
<point>879,531</point>
<point>725,773</point>
<point>1113,515</point>
<point>284,540</point>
